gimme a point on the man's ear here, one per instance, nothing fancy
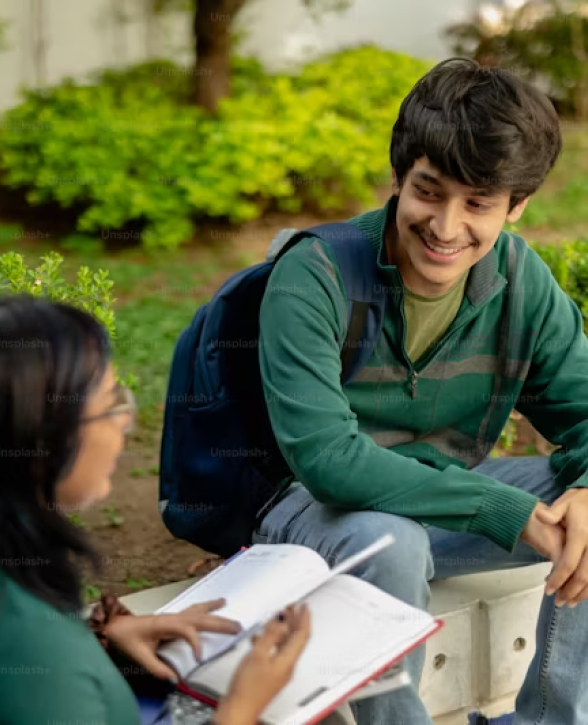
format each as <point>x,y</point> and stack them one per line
<point>517,211</point>
<point>395,184</point>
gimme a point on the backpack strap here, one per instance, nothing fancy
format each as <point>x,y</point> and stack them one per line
<point>357,264</point>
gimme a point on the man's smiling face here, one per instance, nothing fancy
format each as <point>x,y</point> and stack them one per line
<point>443,228</point>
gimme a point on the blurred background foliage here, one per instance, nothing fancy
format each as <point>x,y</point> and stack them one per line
<point>545,42</point>
<point>129,150</point>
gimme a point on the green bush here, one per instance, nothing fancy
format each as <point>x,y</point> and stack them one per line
<point>128,151</point>
<point>568,262</point>
<point>90,291</point>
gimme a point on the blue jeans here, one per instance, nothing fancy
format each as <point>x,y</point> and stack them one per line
<point>555,690</point>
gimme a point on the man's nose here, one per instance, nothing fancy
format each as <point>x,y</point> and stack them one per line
<point>446,224</point>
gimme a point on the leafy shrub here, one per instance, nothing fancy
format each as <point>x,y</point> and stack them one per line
<point>127,151</point>
<point>568,262</point>
<point>90,291</point>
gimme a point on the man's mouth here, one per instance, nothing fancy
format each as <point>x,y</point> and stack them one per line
<point>441,250</point>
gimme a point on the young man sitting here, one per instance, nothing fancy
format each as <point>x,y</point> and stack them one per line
<point>475,326</point>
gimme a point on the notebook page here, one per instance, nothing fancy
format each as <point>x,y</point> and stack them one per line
<point>259,582</point>
<point>356,629</point>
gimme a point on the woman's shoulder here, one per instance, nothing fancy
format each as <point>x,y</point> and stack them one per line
<point>56,656</point>
<point>29,619</point>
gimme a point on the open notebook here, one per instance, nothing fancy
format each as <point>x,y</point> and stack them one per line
<point>358,631</point>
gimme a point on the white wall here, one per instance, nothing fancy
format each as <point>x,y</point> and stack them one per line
<point>281,31</point>
<point>81,35</point>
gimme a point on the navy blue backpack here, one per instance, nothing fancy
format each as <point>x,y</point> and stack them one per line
<point>220,464</point>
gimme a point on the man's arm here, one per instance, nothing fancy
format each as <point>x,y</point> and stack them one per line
<point>555,395</point>
<point>302,325</point>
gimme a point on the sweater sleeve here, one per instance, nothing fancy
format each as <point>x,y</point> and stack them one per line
<point>302,322</point>
<point>555,394</point>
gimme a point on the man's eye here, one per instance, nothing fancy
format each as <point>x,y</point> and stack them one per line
<point>479,207</point>
<point>424,192</point>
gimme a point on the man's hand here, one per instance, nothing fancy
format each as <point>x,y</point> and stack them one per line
<point>139,637</point>
<point>546,537</point>
<point>569,576</point>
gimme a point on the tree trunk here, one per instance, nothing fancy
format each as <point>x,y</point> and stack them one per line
<point>213,20</point>
<point>39,25</point>
<point>149,23</point>
<point>118,16</point>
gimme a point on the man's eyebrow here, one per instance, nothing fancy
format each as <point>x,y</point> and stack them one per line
<point>486,191</point>
<point>426,177</point>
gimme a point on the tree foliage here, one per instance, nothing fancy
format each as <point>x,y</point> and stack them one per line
<point>546,43</point>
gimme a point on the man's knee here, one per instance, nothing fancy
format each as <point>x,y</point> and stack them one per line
<point>403,568</point>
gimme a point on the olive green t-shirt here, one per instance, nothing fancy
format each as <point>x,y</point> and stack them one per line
<point>428,318</point>
<point>53,669</point>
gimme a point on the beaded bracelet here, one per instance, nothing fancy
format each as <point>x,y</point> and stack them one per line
<point>103,613</point>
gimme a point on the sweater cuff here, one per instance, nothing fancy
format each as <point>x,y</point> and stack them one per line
<point>503,515</point>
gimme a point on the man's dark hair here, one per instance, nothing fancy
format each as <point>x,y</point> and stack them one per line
<point>482,126</point>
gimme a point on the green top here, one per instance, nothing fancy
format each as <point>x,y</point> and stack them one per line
<point>53,669</point>
<point>428,318</point>
<point>402,437</point>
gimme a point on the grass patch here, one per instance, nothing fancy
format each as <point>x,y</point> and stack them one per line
<point>156,297</point>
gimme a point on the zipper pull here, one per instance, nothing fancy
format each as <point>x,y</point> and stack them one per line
<point>413,384</point>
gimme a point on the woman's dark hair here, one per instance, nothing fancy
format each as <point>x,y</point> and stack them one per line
<point>52,356</point>
<point>482,126</point>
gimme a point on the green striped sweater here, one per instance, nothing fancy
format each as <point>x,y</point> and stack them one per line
<point>403,438</point>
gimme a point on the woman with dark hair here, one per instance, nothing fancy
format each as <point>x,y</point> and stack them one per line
<point>63,418</point>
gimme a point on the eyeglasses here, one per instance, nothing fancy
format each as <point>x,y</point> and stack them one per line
<point>125,405</point>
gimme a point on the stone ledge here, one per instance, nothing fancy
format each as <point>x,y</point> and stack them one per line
<point>478,660</point>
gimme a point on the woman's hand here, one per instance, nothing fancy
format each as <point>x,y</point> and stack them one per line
<point>266,669</point>
<point>139,637</point>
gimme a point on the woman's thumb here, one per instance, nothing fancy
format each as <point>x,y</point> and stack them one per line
<point>151,662</point>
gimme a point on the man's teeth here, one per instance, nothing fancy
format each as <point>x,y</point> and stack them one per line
<point>441,250</point>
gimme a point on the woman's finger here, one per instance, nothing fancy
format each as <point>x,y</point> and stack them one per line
<point>211,623</point>
<point>177,629</point>
<point>294,645</point>
<point>204,607</point>
<point>272,637</point>
<point>145,657</point>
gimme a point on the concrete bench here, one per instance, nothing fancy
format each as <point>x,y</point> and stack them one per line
<point>478,660</point>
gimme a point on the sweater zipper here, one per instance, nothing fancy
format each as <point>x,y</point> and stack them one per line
<point>412,373</point>
<point>467,316</point>
<point>413,383</point>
